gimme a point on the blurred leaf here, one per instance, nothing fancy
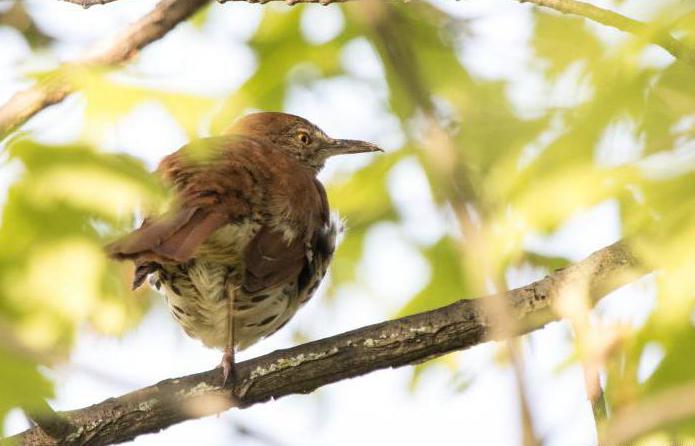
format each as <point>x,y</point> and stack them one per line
<point>491,129</point>
<point>574,149</point>
<point>551,263</point>
<point>54,277</point>
<point>551,43</point>
<point>670,104</point>
<point>108,100</point>
<point>21,385</point>
<point>410,42</point>
<point>447,283</point>
<point>17,17</point>
<point>107,186</point>
<point>347,257</point>
<point>660,219</point>
<point>201,16</point>
<point>362,200</point>
<point>281,52</point>
<point>460,381</point>
<point>659,206</point>
<point>554,197</point>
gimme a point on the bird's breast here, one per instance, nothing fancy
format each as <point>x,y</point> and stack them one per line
<point>198,292</point>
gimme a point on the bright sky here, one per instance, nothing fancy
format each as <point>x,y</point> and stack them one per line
<point>374,409</point>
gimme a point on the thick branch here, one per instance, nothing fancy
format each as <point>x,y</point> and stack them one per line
<point>307,367</point>
<point>677,48</point>
<point>165,16</point>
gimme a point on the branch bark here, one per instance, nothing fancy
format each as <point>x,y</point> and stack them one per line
<point>153,26</point>
<point>304,368</point>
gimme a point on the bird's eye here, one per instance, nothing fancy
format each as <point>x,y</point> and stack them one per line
<point>303,137</point>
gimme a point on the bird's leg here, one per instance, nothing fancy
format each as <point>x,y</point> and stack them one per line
<point>228,356</point>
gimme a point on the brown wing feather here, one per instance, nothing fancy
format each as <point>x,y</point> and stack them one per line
<point>151,233</point>
<point>270,259</point>
<point>173,237</point>
<point>207,195</point>
<point>181,246</point>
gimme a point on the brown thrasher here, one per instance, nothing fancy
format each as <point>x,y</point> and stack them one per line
<point>249,236</point>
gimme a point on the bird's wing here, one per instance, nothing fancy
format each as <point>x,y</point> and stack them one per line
<point>172,237</point>
<point>206,195</point>
<point>270,259</point>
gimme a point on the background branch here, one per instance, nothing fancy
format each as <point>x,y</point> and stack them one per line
<point>88,3</point>
<point>304,368</point>
<point>168,13</point>
<point>153,26</point>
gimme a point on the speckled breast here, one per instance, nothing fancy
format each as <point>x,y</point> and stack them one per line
<point>198,291</point>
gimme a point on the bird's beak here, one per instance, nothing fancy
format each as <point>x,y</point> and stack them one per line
<point>345,146</point>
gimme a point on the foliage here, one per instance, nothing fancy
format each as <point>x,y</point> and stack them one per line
<point>523,171</point>
<point>54,277</point>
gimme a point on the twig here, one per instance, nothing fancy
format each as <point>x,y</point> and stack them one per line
<point>165,16</point>
<point>54,424</point>
<point>599,408</point>
<point>396,47</point>
<point>677,48</point>
<point>304,368</point>
<point>652,412</point>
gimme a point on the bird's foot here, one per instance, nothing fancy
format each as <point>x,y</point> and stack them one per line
<point>227,366</point>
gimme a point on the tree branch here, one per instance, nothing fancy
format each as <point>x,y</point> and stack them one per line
<point>164,17</point>
<point>289,2</point>
<point>677,48</point>
<point>662,38</point>
<point>89,3</point>
<point>304,368</point>
<point>168,13</point>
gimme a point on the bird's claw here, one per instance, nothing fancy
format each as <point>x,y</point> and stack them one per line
<point>227,366</point>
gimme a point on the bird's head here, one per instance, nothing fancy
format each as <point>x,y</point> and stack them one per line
<point>298,137</point>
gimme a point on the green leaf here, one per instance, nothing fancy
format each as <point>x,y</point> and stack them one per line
<point>362,200</point>
<point>668,102</point>
<point>108,100</point>
<point>447,283</point>
<point>281,52</point>
<point>21,385</point>
<point>552,43</point>
<point>550,263</point>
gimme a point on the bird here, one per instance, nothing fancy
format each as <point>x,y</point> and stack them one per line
<point>248,236</point>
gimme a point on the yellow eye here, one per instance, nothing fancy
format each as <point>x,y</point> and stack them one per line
<point>303,137</point>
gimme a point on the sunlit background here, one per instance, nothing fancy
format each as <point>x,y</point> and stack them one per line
<point>549,118</point>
